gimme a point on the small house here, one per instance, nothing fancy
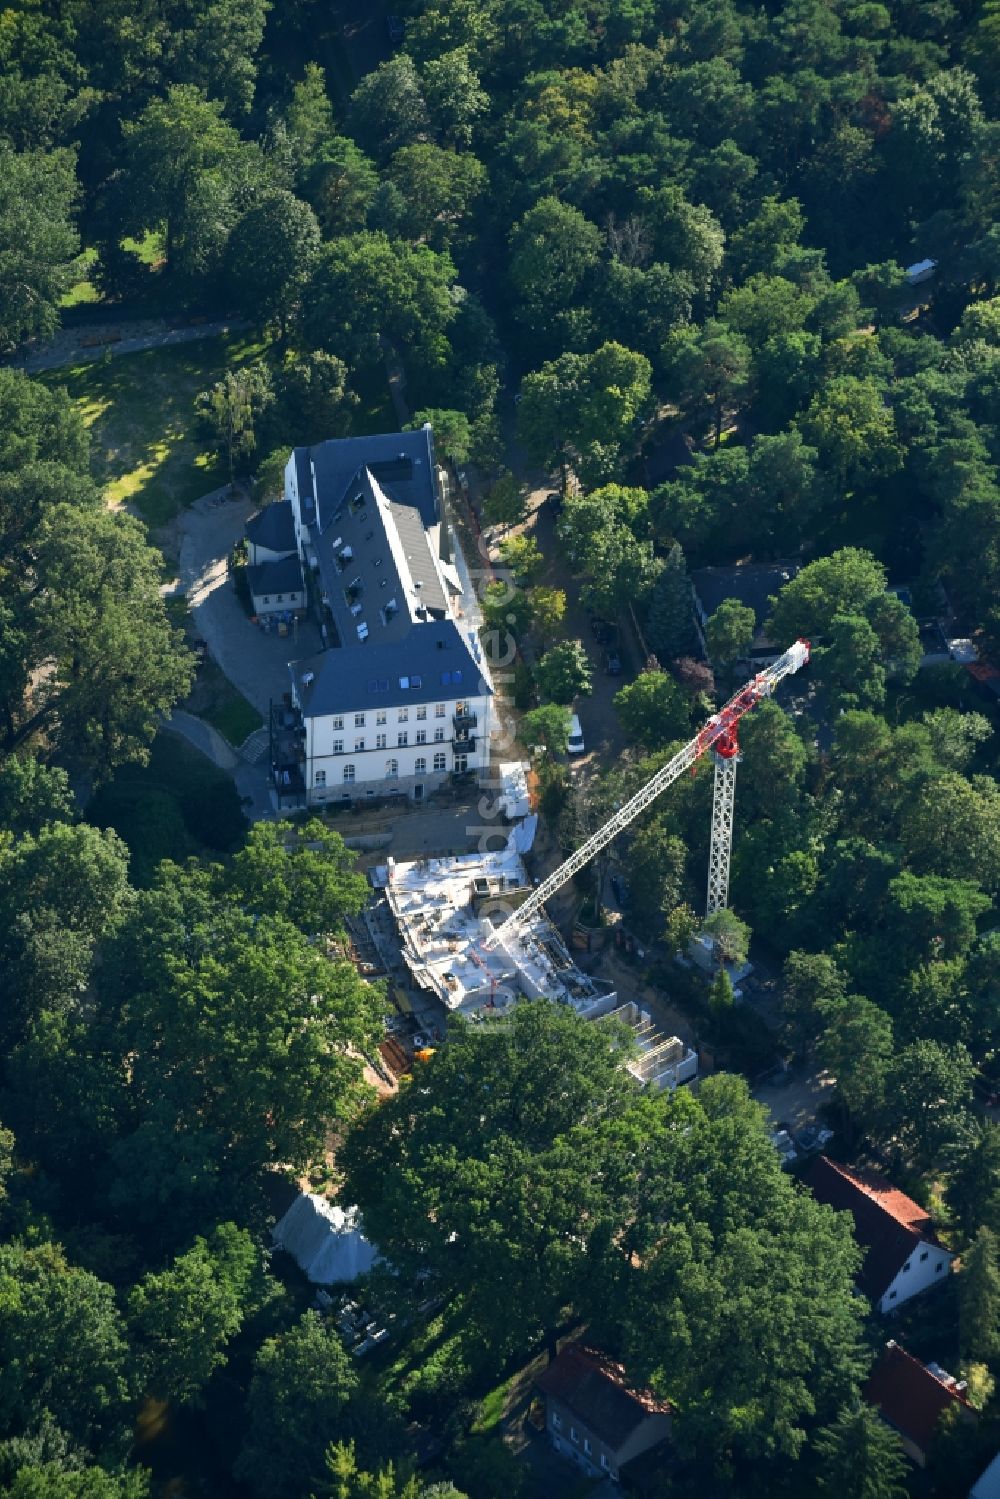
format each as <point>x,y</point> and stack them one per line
<point>594,1416</point>
<point>903,1256</point>
<point>325,1241</point>
<point>911,1397</point>
<point>752,584</point>
<point>277,587</point>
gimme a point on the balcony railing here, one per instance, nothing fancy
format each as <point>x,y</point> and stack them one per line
<point>465,718</point>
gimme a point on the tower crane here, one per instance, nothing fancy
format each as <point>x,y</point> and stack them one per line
<point>717,735</point>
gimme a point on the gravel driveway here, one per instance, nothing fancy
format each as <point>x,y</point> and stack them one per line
<point>255,663</point>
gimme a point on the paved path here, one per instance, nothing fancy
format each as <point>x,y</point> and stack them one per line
<point>255,663</point>
<point>204,738</point>
<point>78,346</point>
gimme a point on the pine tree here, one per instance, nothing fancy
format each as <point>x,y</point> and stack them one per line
<point>669,624</point>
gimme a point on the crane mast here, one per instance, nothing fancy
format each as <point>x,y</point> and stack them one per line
<point>720,732</point>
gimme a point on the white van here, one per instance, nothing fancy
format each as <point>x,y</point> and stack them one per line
<point>575,745</point>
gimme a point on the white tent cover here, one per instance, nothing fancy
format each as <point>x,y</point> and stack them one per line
<point>325,1241</point>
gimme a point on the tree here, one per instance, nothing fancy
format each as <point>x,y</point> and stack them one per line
<point>179,158</point>
<point>523,556</point>
<point>850,664</point>
<point>303,873</point>
<point>33,794</point>
<point>729,632</point>
<point>452,432</point>
<point>812,985</point>
<point>302,1384</point>
<point>709,366</point>
<point>552,250</point>
<point>61,891</point>
<point>182,1319</point>
<point>540,1085</point>
<point>861,1456</point>
<point>844,583</point>
<point>270,254</point>
<point>312,403</point>
<point>455,98</point>
<point>721,999</point>
<point>564,672</point>
<point>341,184</point>
<point>979,1299</point>
<point>438,192</point>
<point>53,1481</point>
<point>506,505</point>
<point>218,51</point>
<point>97,660</point>
<point>952,828</point>
<point>204,992</point>
<point>974,1179</point>
<point>730,936</point>
<point>927,1092</point>
<point>62,1346</point>
<point>584,408</point>
<point>653,710</point>
<point>669,621</point>
<point>388,109</point>
<point>505,609</point>
<point>308,121</point>
<point>366,288</point>
<point>857,1048</point>
<point>546,729</point>
<point>39,244</point>
<point>350,1482</point>
<point>548,610</point>
<point>229,413</point>
<point>853,430</point>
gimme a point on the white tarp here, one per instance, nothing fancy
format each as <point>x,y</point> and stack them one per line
<point>325,1241</point>
<point>514,797</point>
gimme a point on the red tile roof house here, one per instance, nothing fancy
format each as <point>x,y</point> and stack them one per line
<point>911,1397</point>
<point>903,1256</point>
<point>594,1416</point>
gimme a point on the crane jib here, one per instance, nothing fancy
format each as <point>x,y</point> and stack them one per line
<point>721,725</point>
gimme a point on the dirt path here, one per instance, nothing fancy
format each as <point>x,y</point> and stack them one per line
<point>94,341</point>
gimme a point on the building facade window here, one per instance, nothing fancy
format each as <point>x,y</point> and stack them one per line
<point>402,715</point>
<point>348,772</point>
<point>923,1255</point>
<point>359,744</point>
<point>574,1435</point>
<point>461,764</point>
<point>604,1459</point>
<point>439,762</point>
<point>319,779</point>
<point>401,738</point>
<point>586,1446</point>
<point>338,746</point>
<point>556,1420</point>
<point>338,723</point>
<point>421,736</point>
<point>267,598</point>
<point>359,720</point>
<point>439,710</point>
<point>419,766</point>
<point>380,716</point>
<point>439,736</point>
<point>422,712</point>
<point>380,741</point>
<point>391,769</point>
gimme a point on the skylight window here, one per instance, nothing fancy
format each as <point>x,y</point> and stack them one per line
<point>416,682</point>
<point>404,683</point>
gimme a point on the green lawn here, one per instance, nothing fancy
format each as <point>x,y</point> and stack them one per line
<point>140,409</point>
<point>234,718</point>
<point>84,290</point>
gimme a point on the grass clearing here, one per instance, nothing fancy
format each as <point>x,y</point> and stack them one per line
<point>214,698</point>
<point>140,410</point>
<point>84,290</point>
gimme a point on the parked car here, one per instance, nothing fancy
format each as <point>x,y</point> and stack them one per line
<point>575,745</point>
<point>814,1137</point>
<point>613,664</point>
<point>785,1146</point>
<point>396,28</point>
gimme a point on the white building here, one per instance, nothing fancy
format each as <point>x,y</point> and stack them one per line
<point>400,699</point>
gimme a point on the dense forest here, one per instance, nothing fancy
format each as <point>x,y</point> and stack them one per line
<point>654,223</point>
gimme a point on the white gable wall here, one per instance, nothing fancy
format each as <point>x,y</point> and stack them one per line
<point>926,1265</point>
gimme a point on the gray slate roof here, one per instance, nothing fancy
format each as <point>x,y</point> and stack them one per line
<point>373,675</point>
<point>752,583</point>
<point>275,577</point>
<point>401,462</point>
<point>273,527</point>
